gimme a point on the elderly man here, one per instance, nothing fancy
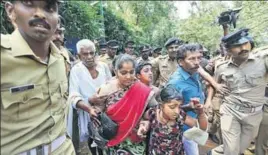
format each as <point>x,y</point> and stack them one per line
<point>245,75</point>
<point>165,65</point>
<point>85,78</point>
<point>33,83</point>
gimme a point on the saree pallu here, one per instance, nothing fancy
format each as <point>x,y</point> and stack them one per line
<point>127,113</point>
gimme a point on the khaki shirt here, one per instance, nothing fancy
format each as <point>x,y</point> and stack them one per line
<point>30,116</point>
<point>106,59</point>
<point>246,82</point>
<point>141,60</point>
<point>163,68</point>
<point>65,53</point>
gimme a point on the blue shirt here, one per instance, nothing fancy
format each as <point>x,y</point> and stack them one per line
<point>189,86</point>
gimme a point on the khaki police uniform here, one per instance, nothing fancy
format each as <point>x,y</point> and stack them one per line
<point>163,68</point>
<point>241,111</point>
<point>141,60</point>
<point>65,53</point>
<point>33,107</point>
<point>262,138</point>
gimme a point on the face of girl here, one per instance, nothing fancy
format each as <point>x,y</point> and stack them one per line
<point>146,75</point>
<point>126,75</point>
<point>171,110</point>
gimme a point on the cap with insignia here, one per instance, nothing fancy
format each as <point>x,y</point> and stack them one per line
<point>173,40</point>
<point>113,44</point>
<point>157,50</point>
<point>144,48</point>
<point>130,42</point>
<point>236,38</point>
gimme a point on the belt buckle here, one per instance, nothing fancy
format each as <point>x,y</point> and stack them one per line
<point>40,150</point>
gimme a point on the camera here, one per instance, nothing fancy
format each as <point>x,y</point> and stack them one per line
<point>229,17</point>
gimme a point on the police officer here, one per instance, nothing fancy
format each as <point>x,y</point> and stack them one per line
<point>262,138</point>
<point>129,47</point>
<point>165,65</point>
<point>156,52</point>
<point>144,52</point>
<point>241,110</point>
<point>33,83</point>
<point>58,39</point>
<point>103,49</point>
<point>112,46</point>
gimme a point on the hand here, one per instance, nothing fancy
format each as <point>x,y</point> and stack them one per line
<point>199,108</point>
<point>194,101</point>
<point>93,111</point>
<point>97,99</point>
<point>143,128</point>
<point>222,88</point>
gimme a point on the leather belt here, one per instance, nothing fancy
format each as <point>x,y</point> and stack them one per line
<point>46,149</point>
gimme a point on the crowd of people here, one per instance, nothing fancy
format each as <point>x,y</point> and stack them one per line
<point>161,101</point>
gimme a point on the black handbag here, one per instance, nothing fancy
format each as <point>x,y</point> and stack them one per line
<point>108,128</point>
<point>104,132</point>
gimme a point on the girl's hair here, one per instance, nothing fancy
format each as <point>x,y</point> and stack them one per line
<point>140,66</point>
<point>122,58</point>
<point>169,93</point>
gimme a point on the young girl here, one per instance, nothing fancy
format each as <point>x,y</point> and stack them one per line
<point>166,122</point>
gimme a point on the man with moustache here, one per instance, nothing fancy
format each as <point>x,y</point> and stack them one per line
<point>165,65</point>
<point>33,82</point>
<point>186,80</point>
<point>85,78</point>
<point>241,110</point>
<point>144,52</point>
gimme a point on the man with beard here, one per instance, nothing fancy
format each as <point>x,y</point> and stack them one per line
<point>144,52</point>
<point>165,65</point>
<point>113,46</point>
<point>33,82</point>
<point>186,80</point>
<point>244,75</point>
<point>85,78</point>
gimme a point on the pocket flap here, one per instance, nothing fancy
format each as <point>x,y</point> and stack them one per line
<point>9,98</point>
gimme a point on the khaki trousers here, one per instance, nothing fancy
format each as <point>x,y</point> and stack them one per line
<point>66,148</point>
<point>262,139</point>
<point>237,133</point>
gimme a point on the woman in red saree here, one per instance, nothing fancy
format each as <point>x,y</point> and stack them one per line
<point>127,100</point>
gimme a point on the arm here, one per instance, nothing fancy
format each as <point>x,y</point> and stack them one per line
<point>209,97</point>
<point>202,120</point>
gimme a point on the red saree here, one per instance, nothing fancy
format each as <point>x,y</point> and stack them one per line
<point>128,111</point>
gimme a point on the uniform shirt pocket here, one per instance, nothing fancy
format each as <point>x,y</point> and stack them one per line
<point>19,103</point>
<point>254,79</point>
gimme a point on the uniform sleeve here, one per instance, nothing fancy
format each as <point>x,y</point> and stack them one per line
<point>74,88</point>
<point>217,75</point>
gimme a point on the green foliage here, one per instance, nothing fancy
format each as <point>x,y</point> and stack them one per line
<point>6,26</point>
<point>82,20</point>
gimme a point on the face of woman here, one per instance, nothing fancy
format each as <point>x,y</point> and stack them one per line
<point>146,75</point>
<point>171,110</point>
<point>126,75</point>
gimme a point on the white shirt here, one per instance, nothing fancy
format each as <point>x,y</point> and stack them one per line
<point>83,86</point>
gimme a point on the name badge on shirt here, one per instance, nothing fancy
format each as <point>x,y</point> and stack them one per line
<point>21,88</point>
